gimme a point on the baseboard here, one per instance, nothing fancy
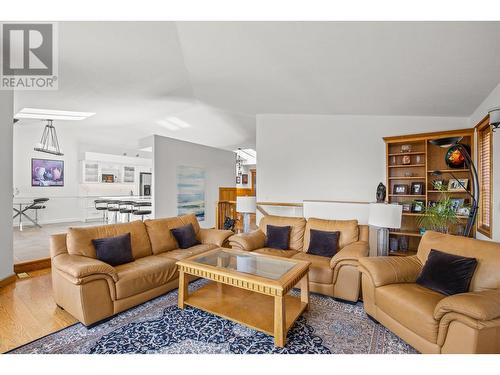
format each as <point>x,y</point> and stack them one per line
<point>32,265</point>
<point>8,280</point>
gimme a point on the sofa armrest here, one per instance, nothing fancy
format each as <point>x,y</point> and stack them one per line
<point>391,270</point>
<point>79,266</point>
<point>214,236</point>
<point>353,251</point>
<point>248,241</point>
<point>484,305</point>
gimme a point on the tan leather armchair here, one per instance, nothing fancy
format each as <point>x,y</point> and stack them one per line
<point>92,290</point>
<point>430,321</point>
<point>338,276</point>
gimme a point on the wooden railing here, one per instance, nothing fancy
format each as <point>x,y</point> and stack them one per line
<point>224,209</point>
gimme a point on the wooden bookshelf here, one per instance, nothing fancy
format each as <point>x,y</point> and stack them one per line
<point>425,159</point>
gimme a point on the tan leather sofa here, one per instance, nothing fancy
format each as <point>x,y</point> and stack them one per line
<point>92,290</point>
<point>338,276</point>
<point>429,321</point>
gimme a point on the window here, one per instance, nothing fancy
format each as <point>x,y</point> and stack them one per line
<point>485,171</point>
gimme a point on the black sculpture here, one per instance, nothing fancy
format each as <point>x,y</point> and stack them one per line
<point>381,191</point>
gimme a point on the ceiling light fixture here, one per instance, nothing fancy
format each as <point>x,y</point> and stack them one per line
<point>51,114</point>
<point>49,143</point>
<point>239,163</point>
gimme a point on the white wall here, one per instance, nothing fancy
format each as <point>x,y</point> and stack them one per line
<point>321,157</point>
<point>6,116</point>
<point>492,100</point>
<point>168,154</point>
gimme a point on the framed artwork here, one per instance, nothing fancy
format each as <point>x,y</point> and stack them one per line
<point>400,189</point>
<point>431,204</point>
<point>244,179</point>
<point>47,173</point>
<point>438,184</point>
<point>407,207</point>
<point>463,211</point>
<point>238,180</point>
<point>458,184</point>
<point>457,203</point>
<point>417,188</point>
<point>406,160</point>
<point>191,191</point>
<point>418,206</point>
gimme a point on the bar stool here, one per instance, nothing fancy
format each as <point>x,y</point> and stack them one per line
<point>37,205</point>
<point>114,207</point>
<point>126,207</point>
<point>102,205</point>
<point>140,209</point>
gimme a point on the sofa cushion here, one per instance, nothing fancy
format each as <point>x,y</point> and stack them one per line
<point>276,252</point>
<point>412,306</point>
<point>323,243</point>
<point>159,231</point>
<point>349,230</point>
<point>179,254</point>
<point>79,240</point>
<point>114,250</point>
<point>298,225</point>
<point>185,236</point>
<point>278,237</point>
<point>144,274</point>
<point>319,270</point>
<point>447,273</point>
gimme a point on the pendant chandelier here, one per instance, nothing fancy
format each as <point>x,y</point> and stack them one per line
<point>49,143</point>
<point>239,163</point>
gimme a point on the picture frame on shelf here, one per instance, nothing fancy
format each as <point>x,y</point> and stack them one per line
<point>404,243</point>
<point>418,206</point>
<point>406,160</point>
<point>459,184</point>
<point>457,203</point>
<point>400,189</point>
<point>431,204</point>
<point>438,184</point>
<point>417,188</point>
<point>407,206</point>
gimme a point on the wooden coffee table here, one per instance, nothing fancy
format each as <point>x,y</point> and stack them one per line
<point>248,288</point>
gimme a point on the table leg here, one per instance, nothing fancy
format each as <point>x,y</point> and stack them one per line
<point>279,321</point>
<point>183,289</point>
<point>304,290</point>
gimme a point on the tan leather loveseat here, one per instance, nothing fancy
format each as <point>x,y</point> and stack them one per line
<point>92,290</point>
<point>337,276</point>
<point>429,321</point>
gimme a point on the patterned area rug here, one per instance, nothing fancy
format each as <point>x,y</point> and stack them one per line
<point>158,326</point>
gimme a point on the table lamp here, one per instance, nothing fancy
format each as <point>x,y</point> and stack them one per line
<point>384,216</point>
<point>246,206</point>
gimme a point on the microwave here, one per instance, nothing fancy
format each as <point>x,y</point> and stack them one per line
<point>108,178</point>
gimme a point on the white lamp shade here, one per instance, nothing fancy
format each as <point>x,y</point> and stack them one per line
<point>246,205</point>
<point>385,215</point>
<point>494,115</point>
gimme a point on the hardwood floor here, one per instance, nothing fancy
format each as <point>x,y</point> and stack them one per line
<point>28,311</point>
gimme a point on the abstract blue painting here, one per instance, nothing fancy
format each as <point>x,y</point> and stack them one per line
<point>191,191</point>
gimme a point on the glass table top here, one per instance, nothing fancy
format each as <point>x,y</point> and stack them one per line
<point>249,263</point>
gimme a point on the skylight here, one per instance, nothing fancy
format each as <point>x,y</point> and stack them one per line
<point>249,155</point>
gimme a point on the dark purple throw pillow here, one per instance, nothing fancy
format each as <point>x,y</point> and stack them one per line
<point>447,273</point>
<point>278,237</point>
<point>114,250</point>
<point>323,243</point>
<point>185,236</point>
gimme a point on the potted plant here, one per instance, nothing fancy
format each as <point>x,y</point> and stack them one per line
<point>440,216</point>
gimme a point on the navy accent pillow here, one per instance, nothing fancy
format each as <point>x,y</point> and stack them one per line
<point>278,237</point>
<point>114,250</point>
<point>323,243</point>
<point>447,273</point>
<point>185,236</point>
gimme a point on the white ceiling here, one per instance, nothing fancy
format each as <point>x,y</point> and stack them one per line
<point>217,76</point>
